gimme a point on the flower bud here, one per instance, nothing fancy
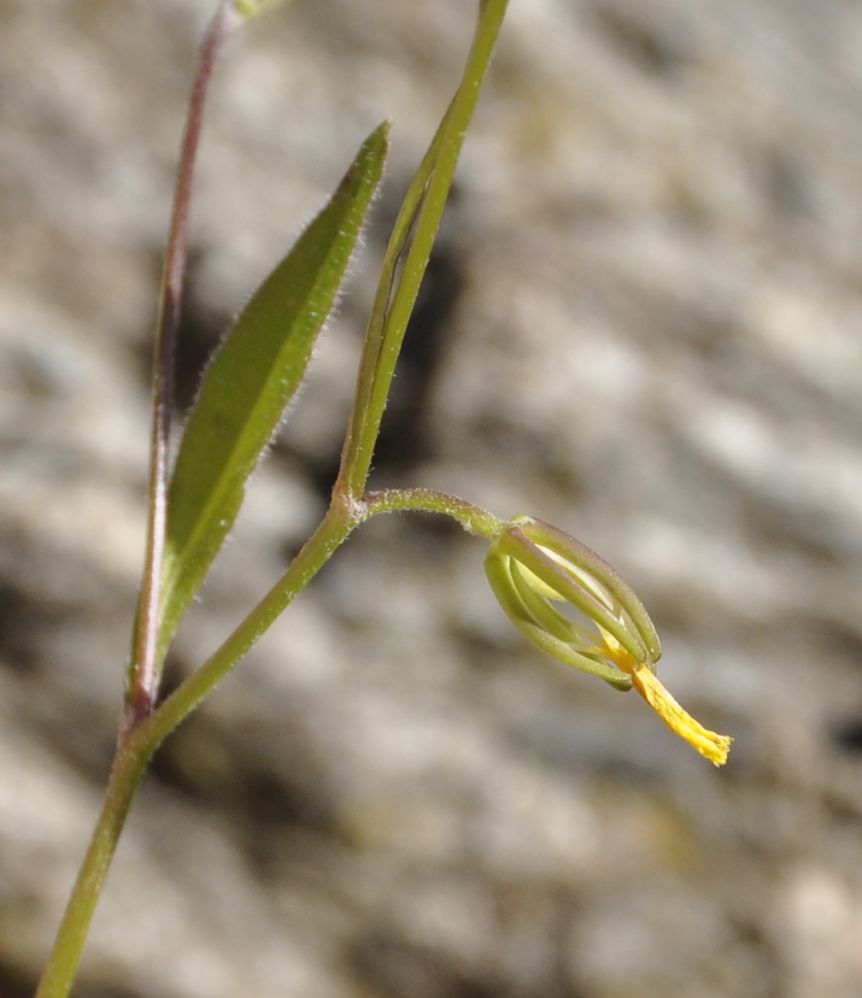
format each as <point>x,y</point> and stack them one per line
<point>532,565</point>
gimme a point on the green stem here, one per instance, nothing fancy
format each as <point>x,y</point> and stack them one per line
<point>421,212</point>
<point>128,768</point>
<point>340,521</point>
<point>330,534</point>
<point>138,747</point>
<point>472,518</point>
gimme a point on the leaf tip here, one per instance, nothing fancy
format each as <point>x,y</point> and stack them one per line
<point>379,138</point>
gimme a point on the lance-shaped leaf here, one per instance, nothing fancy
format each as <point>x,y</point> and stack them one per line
<point>252,378</point>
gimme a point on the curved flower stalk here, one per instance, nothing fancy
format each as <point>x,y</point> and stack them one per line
<point>532,565</point>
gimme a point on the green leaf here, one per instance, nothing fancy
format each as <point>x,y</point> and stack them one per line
<point>251,380</point>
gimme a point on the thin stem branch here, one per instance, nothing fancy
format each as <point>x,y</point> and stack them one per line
<point>356,439</point>
<point>332,531</point>
<point>144,670</point>
<point>472,518</point>
<point>421,212</point>
<point>340,521</point>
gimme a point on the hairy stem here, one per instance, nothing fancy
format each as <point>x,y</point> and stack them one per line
<point>472,518</point>
<point>330,534</point>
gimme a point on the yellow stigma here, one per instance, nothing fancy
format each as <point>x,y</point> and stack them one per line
<point>711,746</point>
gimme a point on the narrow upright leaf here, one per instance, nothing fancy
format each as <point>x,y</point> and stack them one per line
<point>252,378</point>
<point>410,247</point>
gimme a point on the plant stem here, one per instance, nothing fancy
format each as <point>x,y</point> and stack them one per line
<point>422,211</point>
<point>129,765</point>
<point>472,518</point>
<point>143,682</point>
<point>137,748</point>
<point>332,531</point>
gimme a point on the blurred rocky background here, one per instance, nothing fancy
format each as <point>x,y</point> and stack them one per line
<point>643,323</point>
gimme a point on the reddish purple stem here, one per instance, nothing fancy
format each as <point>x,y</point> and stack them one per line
<point>143,686</point>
